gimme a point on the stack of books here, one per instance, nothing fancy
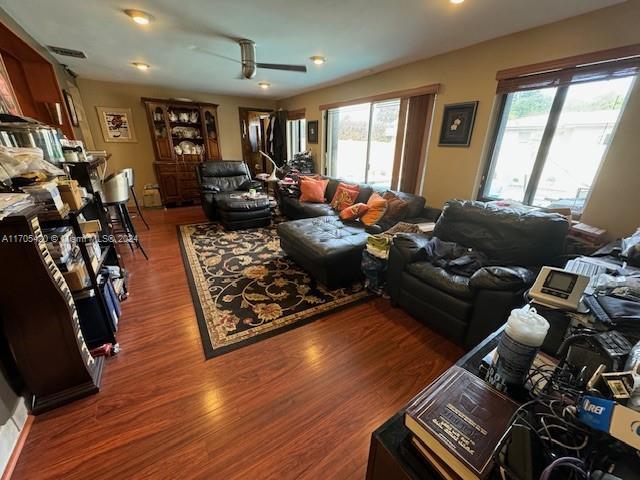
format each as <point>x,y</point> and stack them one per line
<point>457,423</point>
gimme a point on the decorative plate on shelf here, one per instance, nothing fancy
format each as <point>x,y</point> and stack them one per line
<point>185,132</point>
<point>190,148</point>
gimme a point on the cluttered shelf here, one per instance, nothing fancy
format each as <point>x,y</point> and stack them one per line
<point>53,219</point>
<point>554,395</point>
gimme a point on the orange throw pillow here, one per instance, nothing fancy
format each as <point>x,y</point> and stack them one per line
<point>377,207</point>
<point>353,212</point>
<point>345,196</point>
<point>312,190</point>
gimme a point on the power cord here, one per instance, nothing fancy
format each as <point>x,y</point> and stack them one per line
<point>575,464</point>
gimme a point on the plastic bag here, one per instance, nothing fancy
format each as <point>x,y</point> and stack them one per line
<point>631,248</point>
<point>20,160</point>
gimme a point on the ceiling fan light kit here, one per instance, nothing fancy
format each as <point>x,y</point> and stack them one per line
<point>140,17</point>
<point>318,59</point>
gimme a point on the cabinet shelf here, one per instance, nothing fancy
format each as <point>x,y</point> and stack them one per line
<point>186,124</point>
<point>186,139</point>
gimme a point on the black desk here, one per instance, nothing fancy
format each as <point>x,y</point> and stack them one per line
<point>390,455</point>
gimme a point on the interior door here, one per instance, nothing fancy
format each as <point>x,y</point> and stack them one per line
<point>253,137</point>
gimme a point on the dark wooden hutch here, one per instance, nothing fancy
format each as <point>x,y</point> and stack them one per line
<point>184,134</point>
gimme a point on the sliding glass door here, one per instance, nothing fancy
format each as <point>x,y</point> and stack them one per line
<point>361,141</point>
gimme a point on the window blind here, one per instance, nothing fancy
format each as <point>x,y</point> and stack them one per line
<point>604,70</point>
<point>296,114</point>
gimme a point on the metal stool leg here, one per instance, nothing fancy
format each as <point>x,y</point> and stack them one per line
<point>135,200</point>
<point>131,227</point>
<point>124,224</point>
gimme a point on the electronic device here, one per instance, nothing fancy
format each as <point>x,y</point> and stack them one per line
<point>588,269</point>
<point>589,350</point>
<point>559,288</point>
<point>608,416</point>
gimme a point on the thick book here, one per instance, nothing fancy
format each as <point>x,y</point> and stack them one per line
<point>460,419</point>
<point>444,470</point>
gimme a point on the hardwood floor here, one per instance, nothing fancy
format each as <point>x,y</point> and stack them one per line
<point>302,404</point>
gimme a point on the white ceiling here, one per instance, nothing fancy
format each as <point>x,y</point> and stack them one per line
<point>357,36</point>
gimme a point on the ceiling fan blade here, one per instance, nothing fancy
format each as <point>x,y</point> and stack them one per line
<point>196,48</point>
<point>280,66</point>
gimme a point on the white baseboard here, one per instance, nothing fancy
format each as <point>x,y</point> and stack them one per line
<point>10,434</point>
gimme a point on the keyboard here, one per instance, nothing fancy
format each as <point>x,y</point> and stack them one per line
<point>588,269</point>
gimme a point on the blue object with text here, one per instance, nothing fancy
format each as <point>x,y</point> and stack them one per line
<point>596,412</point>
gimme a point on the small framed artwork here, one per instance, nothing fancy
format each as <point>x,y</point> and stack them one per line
<point>312,131</point>
<point>457,124</point>
<point>117,124</point>
<point>71,108</point>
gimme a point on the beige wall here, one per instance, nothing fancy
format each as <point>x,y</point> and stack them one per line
<point>469,74</point>
<point>140,155</point>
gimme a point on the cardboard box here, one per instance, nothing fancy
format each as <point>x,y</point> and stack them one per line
<point>70,193</point>
<point>77,277</point>
<point>151,197</point>
<point>90,226</point>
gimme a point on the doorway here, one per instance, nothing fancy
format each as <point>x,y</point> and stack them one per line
<point>253,137</point>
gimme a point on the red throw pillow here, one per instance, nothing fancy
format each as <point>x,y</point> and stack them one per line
<point>354,211</point>
<point>312,190</point>
<point>345,196</point>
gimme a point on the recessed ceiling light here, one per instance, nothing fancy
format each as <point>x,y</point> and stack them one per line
<point>140,17</point>
<point>318,59</point>
<point>456,1</point>
<point>264,85</point>
<point>140,66</point>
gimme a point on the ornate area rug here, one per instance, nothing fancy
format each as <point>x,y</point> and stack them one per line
<point>245,289</point>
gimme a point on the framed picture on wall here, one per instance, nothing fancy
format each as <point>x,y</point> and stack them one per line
<point>457,124</point>
<point>8,100</point>
<point>312,131</point>
<point>117,124</point>
<point>71,108</point>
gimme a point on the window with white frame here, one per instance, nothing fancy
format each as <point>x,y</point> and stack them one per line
<point>296,137</point>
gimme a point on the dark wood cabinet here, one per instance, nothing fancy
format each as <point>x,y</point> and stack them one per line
<point>184,134</point>
<point>39,318</point>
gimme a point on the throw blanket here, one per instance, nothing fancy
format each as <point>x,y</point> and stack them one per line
<point>454,258</point>
<point>380,244</point>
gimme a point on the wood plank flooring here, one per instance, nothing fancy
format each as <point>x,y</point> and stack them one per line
<point>302,404</point>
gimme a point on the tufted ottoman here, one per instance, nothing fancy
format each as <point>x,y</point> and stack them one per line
<point>326,247</point>
<point>236,210</point>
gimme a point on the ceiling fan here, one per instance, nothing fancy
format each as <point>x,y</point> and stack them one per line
<point>249,64</point>
<point>248,60</point>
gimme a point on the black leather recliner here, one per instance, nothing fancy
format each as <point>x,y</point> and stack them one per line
<point>508,247</point>
<point>220,183</point>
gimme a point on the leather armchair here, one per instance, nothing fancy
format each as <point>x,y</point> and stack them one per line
<point>222,176</point>
<point>468,306</point>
